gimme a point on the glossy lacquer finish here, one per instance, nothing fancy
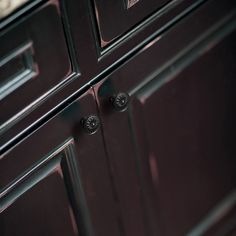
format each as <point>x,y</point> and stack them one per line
<point>130,28</point>
<point>39,204</point>
<point>128,12</point>
<point>57,181</point>
<point>59,81</point>
<point>173,153</point>
<point>34,60</point>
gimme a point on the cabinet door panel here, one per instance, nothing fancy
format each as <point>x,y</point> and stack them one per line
<point>37,204</point>
<point>178,132</point>
<point>59,166</point>
<point>190,138</point>
<point>124,167</point>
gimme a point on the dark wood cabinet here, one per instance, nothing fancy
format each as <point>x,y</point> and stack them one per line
<point>131,137</point>
<point>129,12</point>
<point>34,59</point>
<point>177,132</point>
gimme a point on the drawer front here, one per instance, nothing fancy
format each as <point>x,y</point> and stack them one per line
<point>116,17</point>
<point>33,59</point>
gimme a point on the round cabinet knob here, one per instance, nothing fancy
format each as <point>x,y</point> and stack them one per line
<point>120,101</point>
<point>90,124</point>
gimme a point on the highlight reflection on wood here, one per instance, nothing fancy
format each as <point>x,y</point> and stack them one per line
<point>8,6</point>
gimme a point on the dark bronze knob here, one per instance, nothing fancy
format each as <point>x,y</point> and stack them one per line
<point>90,124</point>
<point>120,101</point>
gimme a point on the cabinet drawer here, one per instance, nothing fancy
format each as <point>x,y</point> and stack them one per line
<point>115,18</point>
<point>33,59</point>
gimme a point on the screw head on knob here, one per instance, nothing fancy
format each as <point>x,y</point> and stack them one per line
<point>90,124</point>
<point>120,101</point>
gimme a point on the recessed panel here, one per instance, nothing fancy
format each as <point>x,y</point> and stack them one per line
<point>179,125</point>
<point>43,210</point>
<point>190,132</point>
<point>114,18</point>
<point>38,201</point>
<point>30,51</point>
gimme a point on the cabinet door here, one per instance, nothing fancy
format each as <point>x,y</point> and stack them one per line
<point>117,17</point>
<point>172,151</point>
<point>57,180</point>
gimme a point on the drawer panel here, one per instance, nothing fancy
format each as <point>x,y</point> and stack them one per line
<point>33,59</point>
<point>115,18</point>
